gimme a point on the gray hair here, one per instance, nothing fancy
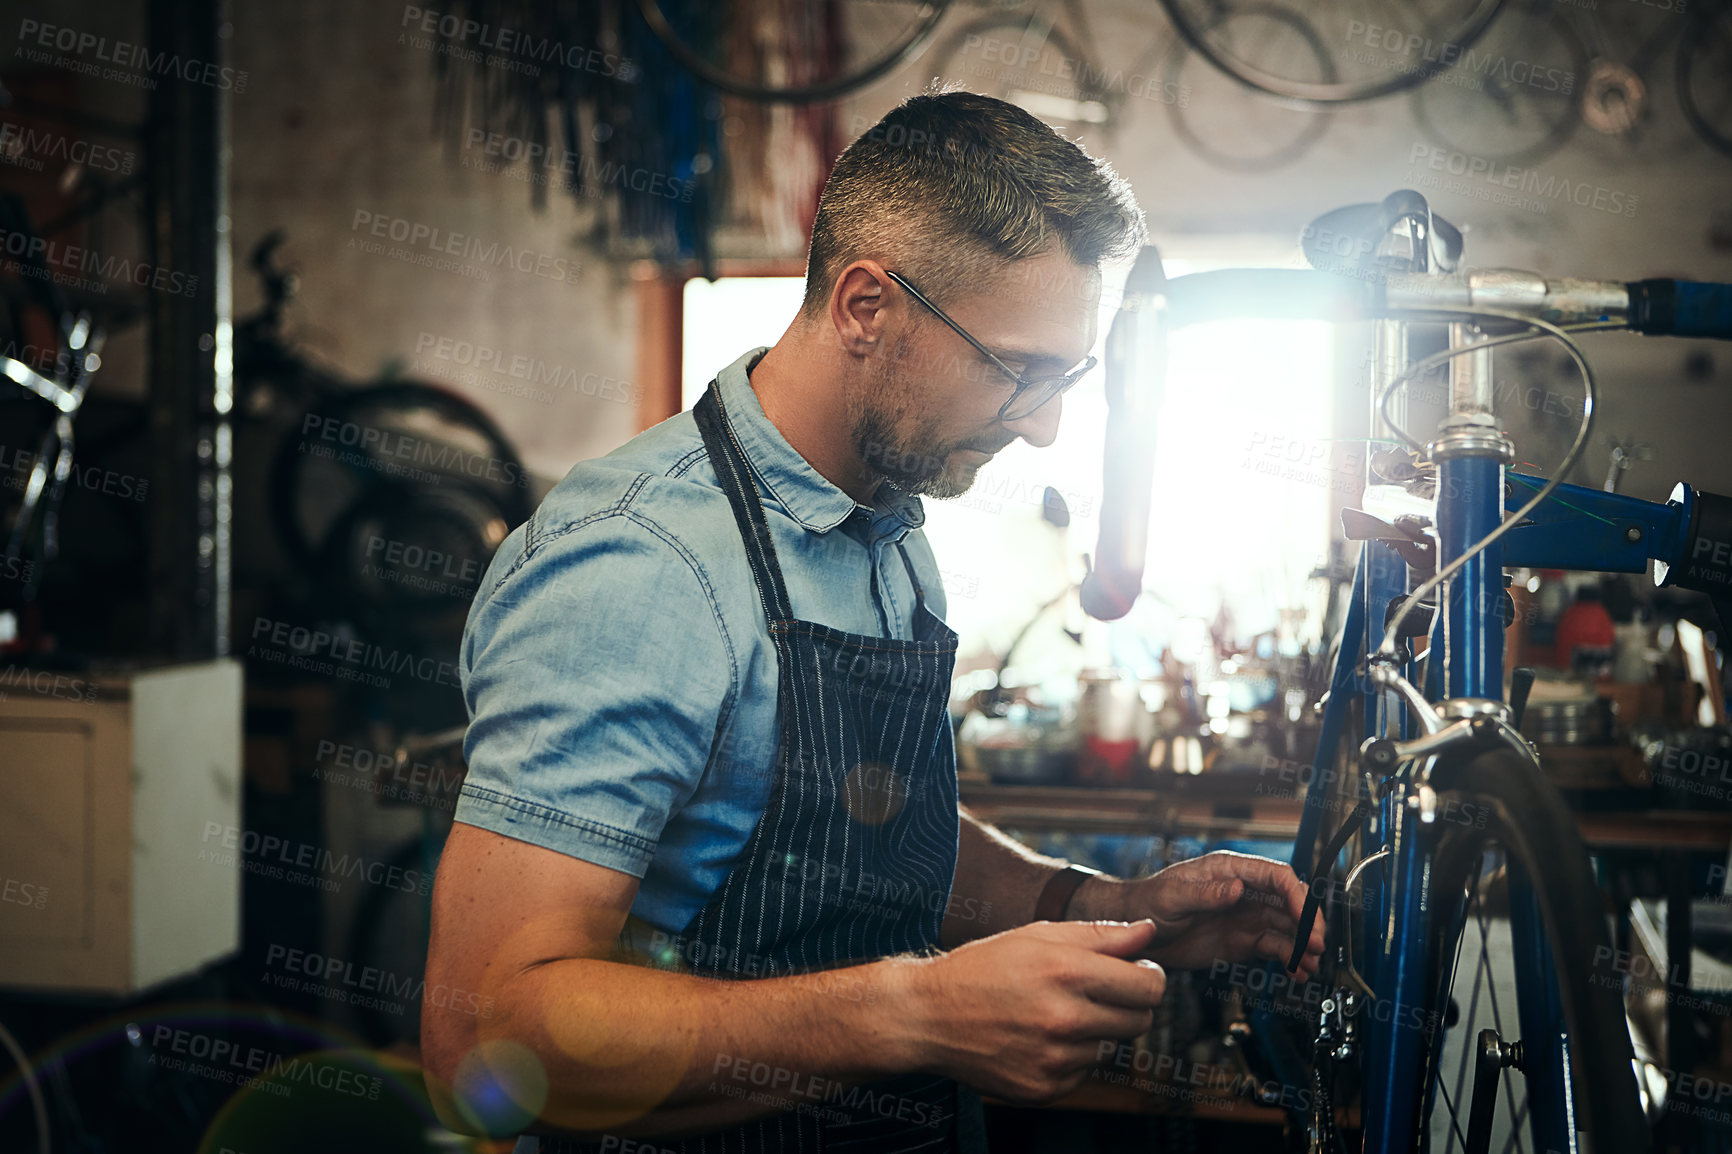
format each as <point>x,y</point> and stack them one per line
<point>951,184</point>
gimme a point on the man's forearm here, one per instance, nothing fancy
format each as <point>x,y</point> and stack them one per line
<point>645,1053</point>
<point>999,880</point>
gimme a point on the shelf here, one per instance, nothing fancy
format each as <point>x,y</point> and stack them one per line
<point>1237,811</point>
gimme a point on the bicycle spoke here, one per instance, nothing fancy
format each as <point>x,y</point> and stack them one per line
<point>1496,1014</point>
<point>1516,1127</point>
<point>1468,1017</point>
<point>1454,1120</point>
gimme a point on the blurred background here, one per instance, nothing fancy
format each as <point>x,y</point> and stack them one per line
<point>305,306</point>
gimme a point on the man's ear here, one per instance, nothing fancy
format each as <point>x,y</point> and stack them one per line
<point>860,307</point>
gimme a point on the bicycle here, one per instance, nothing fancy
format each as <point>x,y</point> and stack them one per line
<point>33,539</point>
<point>353,466</point>
<point>1442,777</point>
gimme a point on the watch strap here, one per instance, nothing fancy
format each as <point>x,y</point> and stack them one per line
<point>1055,897</point>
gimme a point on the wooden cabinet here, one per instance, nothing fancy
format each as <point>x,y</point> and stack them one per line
<point>120,815</point>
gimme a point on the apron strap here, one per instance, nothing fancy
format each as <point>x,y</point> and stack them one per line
<point>919,593</point>
<point>735,474</point>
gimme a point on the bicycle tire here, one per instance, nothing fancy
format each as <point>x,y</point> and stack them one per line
<point>1556,134</point>
<point>1307,137</point>
<point>1195,34</point>
<point>1697,35</point>
<point>291,458</point>
<point>956,45</point>
<point>908,50</point>
<point>1528,817</point>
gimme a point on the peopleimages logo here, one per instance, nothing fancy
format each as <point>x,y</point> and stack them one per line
<point>266,854</point>
<point>62,264</point>
<point>581,170</point>
<point>499,46</point>
<point>29,147</point>
<point>1467,66</point>
<point>225,1060</point>
<point>397,452</point>
<point>487,360</point>
<point>428,245</point>
<point>1523,181</point>
<point>340,980</point>
<point>144,65</point>
<point>1529,182</point>
<point>283,642</point>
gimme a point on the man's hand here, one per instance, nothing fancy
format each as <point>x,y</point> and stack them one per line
<point>1223,906</point>
<point>1022,1015</point>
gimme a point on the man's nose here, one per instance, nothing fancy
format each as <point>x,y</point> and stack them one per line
<point>1039,428</point>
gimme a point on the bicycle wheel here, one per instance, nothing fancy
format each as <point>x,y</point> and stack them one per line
<point>1240,131</point>
<point>1032,62</point>
<point>830,51</point>
<point>1515,100</point>
<point>1704,64</point>
<point>1383,48</point>
<point>1503,805</point>
<point>403,436</point>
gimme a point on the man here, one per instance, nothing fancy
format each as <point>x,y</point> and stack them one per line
<point>708,685</point>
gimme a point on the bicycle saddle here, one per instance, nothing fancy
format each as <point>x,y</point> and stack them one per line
<point>1350,241</point>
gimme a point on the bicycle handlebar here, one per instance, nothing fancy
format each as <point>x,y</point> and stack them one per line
<point>1136,355</point>
<point>1681,308</point>
<point>1652,307</point>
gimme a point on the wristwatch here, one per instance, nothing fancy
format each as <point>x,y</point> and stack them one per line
<point>1055,897</point>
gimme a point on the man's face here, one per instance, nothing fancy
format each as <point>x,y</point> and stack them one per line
<point>926,419</point>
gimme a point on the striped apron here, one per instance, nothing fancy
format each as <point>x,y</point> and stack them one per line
<point>852,859</point>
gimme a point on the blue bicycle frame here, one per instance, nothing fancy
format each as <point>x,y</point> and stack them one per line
<point>1574,528</point>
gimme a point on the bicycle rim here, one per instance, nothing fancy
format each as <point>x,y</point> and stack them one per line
<point>904,50</point>
<point>1709,29</point>
<point>1515,809</point>
<point>1311,128</point>
<point>1195,32</point>
<point>1432,111</point>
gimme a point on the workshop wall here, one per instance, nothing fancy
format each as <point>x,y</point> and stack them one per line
<point>349,163</point>
<point>306,161</point>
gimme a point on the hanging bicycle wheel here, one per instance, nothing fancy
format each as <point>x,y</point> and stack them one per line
<point>1238,130</point>
<point>1704,74</point>
<point>409,439</point>
<point>1520,942</point>
<point>1378,47</point>
<point>802,53</point>
<point>404,563</point>
<point>1032,62</point>
<point>1512,99</point>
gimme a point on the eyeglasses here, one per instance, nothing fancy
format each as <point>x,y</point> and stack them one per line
<point>1031,392</point>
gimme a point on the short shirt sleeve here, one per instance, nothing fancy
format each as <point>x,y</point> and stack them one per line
<point>596,672</point>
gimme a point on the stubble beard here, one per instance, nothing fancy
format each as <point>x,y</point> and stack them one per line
<point>917,464</point>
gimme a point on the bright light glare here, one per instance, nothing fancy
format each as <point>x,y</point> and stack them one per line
<point>728,317</point>
<point>1235,521</point>
<point>1243,468</point>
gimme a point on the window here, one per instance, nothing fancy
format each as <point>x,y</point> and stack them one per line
<point>1243,474</point>
<point>727,316</point>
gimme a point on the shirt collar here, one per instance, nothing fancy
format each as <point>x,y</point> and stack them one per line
<point>801,490</point>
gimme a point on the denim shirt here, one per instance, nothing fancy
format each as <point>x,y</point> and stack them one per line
<point>617,666</point>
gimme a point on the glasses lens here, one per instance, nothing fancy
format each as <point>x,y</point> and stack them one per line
<point>1040,392</point>
<point>1033,397</point>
